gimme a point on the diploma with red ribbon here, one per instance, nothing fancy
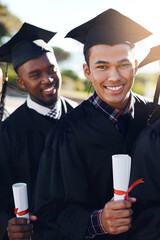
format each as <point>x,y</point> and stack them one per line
<point>21,200</point>
<point>121,166</point>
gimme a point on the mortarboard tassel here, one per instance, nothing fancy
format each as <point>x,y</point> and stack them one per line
<point>156,95</point>
<point>3,93</point>
<point>156,108</point>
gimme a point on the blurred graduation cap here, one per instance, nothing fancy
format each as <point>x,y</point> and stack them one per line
<point>109,27</point>
<point>153,55</point>
<point>28,43</point>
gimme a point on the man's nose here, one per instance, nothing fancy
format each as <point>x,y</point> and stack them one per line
<point>47,78</point>
<point>113,75</point>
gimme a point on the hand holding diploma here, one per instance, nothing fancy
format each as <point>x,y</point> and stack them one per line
<point>20,226</point>
<point>116,215</point>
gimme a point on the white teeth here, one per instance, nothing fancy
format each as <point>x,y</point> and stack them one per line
<point>114,88</point>
<point>49,89</point>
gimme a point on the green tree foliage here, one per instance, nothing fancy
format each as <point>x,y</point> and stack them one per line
<point>145,84</point>
<point>9,23</point>
<point>71,74</point>
<point>12,76</point>
<point>61,54</point>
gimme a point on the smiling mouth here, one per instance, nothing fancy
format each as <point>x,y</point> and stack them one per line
<point>114,88</point>
<point>50,89</point>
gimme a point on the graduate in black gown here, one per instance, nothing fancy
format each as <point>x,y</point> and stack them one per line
<point>146,164</point>
<point>23,134</point>
<point>74,183</point>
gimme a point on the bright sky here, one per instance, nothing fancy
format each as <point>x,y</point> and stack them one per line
<point>63,15</point>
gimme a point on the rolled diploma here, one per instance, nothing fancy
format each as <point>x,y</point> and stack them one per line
<point>20,199</point>
<point>121,165</point>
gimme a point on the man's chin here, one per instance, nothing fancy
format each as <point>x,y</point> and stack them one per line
<point>50,103</point>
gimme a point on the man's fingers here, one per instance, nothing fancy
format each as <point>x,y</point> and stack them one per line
<point>28,238</point>
<point>118,230</point>
<point>19,221</point>
<point>132,199</point>
<point>119,222</point>
<point>33,217</point>
<point>24,235</point>
<point>116,214</point>
<point>119,204</point>
<point>20,228</point>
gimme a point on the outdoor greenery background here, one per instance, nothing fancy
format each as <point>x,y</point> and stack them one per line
<point>72,84</point>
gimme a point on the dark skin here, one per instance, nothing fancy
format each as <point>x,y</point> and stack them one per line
<point>116,216</point>
<point>41,78</point>
<point>20,228</point>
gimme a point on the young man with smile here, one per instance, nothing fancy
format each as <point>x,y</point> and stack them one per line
<point>112,74</point>
<point>41,78</point>
<point>77,202</point>
<point>23,134</point>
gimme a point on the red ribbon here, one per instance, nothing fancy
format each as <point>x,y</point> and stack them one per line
<point>120,192</point>
<point>22,213</point>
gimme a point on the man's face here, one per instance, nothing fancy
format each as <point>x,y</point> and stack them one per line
<point>112,70</point>
<point>41,78</point>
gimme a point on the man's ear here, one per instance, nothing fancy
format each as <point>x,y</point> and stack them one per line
<point>86,71</point>
<point>136,66</point>
<point>20,82</point>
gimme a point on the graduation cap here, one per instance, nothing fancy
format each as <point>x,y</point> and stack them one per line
<point>153,55</point>
<point>109,27</point>
<point>28,43</point>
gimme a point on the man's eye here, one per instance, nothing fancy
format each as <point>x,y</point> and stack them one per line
<point>35,76</point>
<point>124,65</point>
<point>102,67</point>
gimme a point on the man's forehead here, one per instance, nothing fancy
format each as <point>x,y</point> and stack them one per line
<point>45,58</point>
<point>107,51</point>
<point>112,47</point>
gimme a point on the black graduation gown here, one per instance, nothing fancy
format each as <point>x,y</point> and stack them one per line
<point>22,139</point>
<point>146,164</point>
<point>75,174</point>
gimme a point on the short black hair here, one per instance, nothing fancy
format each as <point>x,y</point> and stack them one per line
<point>88,52</point>
<point>87,55</point>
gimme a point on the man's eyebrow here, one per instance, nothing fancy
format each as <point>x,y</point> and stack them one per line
<point>34,71</point>
<point>106,62</point>
<point>101,62</point>
<point>124,60</point>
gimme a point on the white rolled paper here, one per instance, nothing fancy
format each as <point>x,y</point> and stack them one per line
<point>21,200</point>
<point>121,166</point>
